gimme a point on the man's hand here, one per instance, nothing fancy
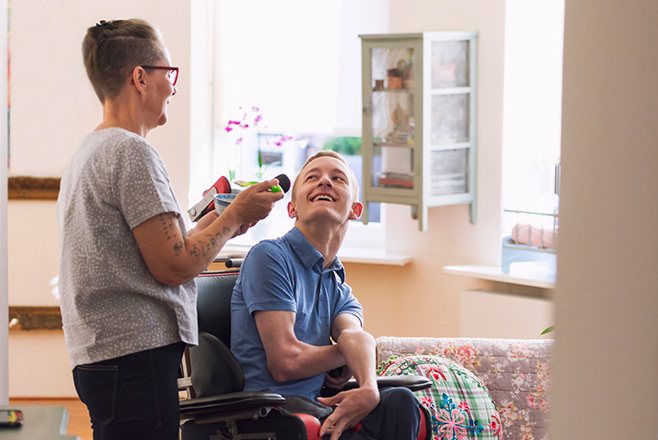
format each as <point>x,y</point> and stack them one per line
<point>353,406</point>
<point>337,381</point>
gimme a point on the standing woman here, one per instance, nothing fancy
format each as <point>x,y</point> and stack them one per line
<point>127,264</point>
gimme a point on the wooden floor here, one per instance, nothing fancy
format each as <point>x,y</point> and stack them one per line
<point>78,417</point>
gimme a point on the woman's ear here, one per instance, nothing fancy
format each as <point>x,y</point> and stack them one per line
<point>139,78</point>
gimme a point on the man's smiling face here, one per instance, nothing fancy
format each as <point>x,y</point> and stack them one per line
<point>325,189</point>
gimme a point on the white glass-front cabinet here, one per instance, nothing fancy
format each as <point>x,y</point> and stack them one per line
<point>419,120</point>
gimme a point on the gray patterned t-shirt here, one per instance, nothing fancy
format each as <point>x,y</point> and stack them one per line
<point>111,304</point>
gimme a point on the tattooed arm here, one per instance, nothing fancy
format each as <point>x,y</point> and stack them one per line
<point>174,260</point>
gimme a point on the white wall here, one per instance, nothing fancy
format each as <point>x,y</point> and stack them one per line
<point>606,357</point>
<point>4,367</point>
<point>450,232</point>
<point>485,314</point>
<point>52,102</point>
<point>450,239</point>
<point>391,295</point>
<point>53,107</point>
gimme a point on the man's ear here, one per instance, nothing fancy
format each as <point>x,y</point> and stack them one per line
<point>357,210</point>
<point>292,210</point>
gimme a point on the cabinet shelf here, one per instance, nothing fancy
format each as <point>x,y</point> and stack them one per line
<point>419,136</point>
<point>445,147</point>
<point>450,91</point>
<point>407,91</point>
<point>392,144</point>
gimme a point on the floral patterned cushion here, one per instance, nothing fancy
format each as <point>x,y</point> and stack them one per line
<point>515,371</point>
<point>460,406</point>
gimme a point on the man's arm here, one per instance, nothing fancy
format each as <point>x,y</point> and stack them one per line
<point>358,349</point>
<point>287,357</point>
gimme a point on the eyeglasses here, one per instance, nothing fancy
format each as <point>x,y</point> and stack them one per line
<point>172,75</point>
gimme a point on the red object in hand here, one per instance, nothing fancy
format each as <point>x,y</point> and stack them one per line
<point>207,203</point>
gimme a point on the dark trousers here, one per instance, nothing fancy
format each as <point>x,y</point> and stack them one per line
<point>397,417</point>
<point>133,396</point>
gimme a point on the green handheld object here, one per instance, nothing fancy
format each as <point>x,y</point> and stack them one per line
<point>284,183</point>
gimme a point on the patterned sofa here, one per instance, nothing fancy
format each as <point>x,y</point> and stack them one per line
<point>515,371</point>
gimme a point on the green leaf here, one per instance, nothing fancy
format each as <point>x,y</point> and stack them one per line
<point>548,330</point>
<point>349,146</point>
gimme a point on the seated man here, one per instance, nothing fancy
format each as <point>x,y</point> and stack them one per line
<point>291,300</point>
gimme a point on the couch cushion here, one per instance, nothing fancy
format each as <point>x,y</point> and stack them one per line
<point>460,404</point>
<point>516,372</point>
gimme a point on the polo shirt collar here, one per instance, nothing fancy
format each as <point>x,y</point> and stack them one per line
<point>309,256</point>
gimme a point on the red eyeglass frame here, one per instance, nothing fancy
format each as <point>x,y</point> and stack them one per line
<point>171,68</point>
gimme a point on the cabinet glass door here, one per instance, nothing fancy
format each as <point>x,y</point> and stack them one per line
<point>450,125</point>
<point>392,119</point>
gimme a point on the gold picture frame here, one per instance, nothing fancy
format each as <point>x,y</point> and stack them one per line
<point>34,188</point>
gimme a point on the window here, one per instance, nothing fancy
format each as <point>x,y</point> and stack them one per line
<point>531,136</point>
<point>291,70</point>
<point>532,103</point>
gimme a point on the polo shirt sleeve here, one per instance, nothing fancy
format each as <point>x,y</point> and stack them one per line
<point>347,303</point>
<point>266,281</point>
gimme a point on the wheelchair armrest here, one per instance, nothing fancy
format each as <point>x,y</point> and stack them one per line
<point>231,406</point>
<point>411,381</point>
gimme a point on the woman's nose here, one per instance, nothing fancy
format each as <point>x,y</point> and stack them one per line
<point>175,91</point>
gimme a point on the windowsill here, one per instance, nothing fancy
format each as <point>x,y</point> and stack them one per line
<point>493,273</point>
<point>372,256</point>
<point>346,255</point>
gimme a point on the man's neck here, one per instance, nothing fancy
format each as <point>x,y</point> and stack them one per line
<point>326,239</point>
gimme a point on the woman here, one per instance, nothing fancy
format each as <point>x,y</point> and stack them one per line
<point>127,264</point>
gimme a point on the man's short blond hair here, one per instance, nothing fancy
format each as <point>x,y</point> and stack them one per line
<point>329,153</point>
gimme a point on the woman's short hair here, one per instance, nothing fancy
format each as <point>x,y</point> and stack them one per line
<point>330,153</point>
<point>112,49</point>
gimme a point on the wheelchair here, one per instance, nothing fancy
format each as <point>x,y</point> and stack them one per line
<point>215,405</point>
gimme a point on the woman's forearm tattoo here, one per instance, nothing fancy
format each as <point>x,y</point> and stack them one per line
<point>205,246</point>
<point>169,229</point>
<point>168,226</point>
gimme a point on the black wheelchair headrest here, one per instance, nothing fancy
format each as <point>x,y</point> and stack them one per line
<point>214,290</point>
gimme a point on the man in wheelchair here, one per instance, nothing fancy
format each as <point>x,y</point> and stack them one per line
<point>291,300</point>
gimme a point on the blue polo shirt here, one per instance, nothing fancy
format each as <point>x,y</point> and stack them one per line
<point>286,274</point>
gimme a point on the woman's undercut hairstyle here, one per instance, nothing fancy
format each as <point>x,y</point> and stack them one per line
<point>112,49</point>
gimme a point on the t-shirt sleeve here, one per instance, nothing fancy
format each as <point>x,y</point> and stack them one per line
<point>266,281</point>
<point>347,303</point>
<point>141,183</point>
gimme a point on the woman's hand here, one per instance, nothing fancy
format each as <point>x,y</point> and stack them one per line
<point>203,223</point>
<point>253,204</point>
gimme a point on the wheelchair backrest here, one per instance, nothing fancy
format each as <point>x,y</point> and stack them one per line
<point>214,290</point>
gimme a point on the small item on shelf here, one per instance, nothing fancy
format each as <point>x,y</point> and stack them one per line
<point>390,182</point>
<point>525,233</point>
<point>396,180</point>
<point>379,85</point>
<point>400,119</point>
<point>399,137</point>
<point>395,78</point>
